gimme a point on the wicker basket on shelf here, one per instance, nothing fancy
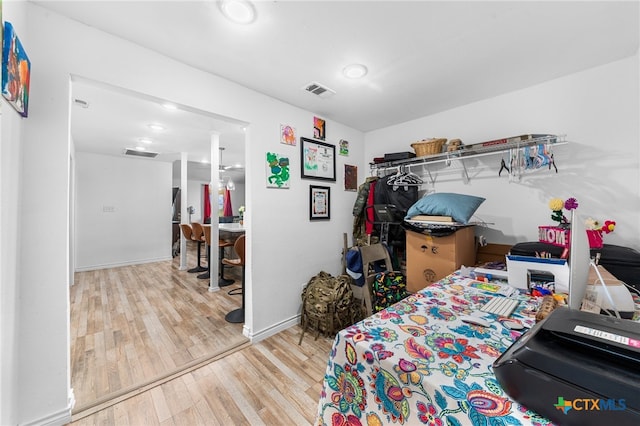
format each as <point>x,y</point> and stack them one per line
<point>428,146</point>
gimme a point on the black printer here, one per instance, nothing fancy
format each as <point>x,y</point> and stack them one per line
<point>576,368</point>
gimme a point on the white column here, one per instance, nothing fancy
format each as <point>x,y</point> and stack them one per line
<point>215,209</point>
<point>184,216</point>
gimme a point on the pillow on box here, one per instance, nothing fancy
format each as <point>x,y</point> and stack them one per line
<point>459,206</point>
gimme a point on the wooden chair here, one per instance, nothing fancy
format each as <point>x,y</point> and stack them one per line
<point>222,281</point>
<point>206,236</point>
<point>189,234</point>
<point>370,254</point>
<point>237,315</point>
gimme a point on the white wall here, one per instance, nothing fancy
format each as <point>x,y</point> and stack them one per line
<point>284,249</point>
<point>11,133</point>
<point>138,230</point>
<point>597,109</point>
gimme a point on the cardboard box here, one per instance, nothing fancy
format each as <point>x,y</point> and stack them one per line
<point>492,253</point>
<point>432,258</point>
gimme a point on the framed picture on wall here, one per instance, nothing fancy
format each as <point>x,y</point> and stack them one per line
<point>319,128</point>
<point>319,202</point>
<point>318,160</point>
<point>350,178</point>
<point>16,71</point>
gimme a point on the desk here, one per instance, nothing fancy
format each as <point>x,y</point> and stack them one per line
<point>416,362</point>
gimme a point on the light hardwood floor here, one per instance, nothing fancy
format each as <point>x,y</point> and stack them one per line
<point>134,325</point>
<point>273,382</point>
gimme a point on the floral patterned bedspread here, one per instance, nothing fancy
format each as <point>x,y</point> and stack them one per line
<point>417,363</point>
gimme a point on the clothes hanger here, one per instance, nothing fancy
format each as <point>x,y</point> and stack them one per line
<point>503,166</point>
<point>391,179</point>
<point>552,161</point>
<point>404,179</point>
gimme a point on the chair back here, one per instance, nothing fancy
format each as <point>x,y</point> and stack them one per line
<point>186,230</point>
<point>239,247</point>
<point>207,234</point>
<point>374,253</point>
<point>371,254</point>
<point>198,231</point>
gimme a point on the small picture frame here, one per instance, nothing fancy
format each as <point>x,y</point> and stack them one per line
<point>319,128</point>
<point>318,160</point>
<point>319,202</point>
<point>288,135</point>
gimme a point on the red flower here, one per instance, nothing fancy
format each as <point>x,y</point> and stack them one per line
<point>609,226</point>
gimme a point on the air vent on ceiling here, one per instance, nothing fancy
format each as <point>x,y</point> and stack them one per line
<point>81,103</point>
<point>136,153</point>
<point>319,89</point>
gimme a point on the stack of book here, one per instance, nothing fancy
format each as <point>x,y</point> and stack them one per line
<point>429,218</point>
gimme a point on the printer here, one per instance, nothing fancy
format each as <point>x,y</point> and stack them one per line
<point>576,368</point>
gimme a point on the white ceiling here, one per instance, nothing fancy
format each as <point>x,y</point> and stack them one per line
<point>423,56</point>
<point>116,119</point>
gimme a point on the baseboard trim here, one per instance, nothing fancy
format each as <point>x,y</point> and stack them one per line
<point>270,331</point>
<point>120,264</point>
<point>59,418</point>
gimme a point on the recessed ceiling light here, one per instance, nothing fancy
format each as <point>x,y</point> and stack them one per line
<point>238,11</point>
<point>156,127</point>
<point>355,71</point>
<point>140,148</point>
<point>145,140</point>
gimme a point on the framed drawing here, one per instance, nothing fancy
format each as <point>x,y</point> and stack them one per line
<point>318,160</point>
<point>319,202</point>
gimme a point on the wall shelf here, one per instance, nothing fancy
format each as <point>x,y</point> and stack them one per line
<point>511,145</point>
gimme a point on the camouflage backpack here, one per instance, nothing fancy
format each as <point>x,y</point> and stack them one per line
<point>328,305</point>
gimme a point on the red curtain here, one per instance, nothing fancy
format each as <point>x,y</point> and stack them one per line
<point>227,210</point>
<point>368,225</point>
<point>207,203</point>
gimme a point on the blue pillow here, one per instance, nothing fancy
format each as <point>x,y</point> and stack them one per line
<point>459,206</point>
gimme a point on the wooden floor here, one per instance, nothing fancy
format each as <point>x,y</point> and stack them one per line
<point>273,382</point>
<point>133,325</point>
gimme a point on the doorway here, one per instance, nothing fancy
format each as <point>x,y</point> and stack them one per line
<point>123,310</point>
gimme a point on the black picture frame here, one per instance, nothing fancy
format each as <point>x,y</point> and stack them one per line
<point>319,202</point>
<point>317,160</point>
